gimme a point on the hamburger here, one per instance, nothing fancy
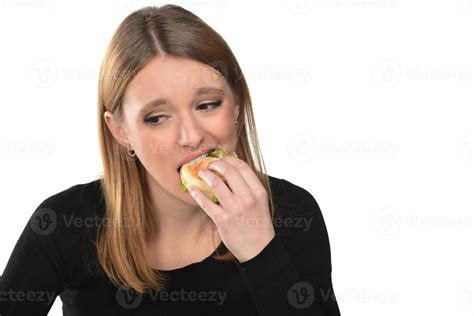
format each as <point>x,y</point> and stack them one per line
<point>188,172</point>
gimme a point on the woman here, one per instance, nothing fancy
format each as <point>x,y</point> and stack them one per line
<point>132,242</point>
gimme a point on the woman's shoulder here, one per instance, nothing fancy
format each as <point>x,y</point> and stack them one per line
<point>89,193</point>
<point>69,212</point>
<point>57,240</point>
<point>292,198</point>
<point>74,206</point>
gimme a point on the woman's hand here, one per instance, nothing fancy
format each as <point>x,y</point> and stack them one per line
<point>242,217</point>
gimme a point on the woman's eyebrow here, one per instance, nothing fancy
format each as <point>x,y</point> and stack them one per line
<point>208,90</point>
<point>160,101</point>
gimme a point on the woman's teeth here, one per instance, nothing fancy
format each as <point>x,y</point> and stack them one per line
<point>196,159</point>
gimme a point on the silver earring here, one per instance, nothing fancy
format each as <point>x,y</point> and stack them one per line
<point>131,153</point>
<point>236,122</point>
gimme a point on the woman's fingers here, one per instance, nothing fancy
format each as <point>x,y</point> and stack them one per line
<point>214,211</point>
<point>242,174</point>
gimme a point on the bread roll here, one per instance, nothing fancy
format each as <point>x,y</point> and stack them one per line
<point>189,173</point>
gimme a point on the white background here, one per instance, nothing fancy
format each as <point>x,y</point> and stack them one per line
<point>366,104</point>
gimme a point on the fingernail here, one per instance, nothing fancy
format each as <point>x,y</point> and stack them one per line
<point>204,175</point>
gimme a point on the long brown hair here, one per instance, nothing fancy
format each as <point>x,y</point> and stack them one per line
<point>144,34</point>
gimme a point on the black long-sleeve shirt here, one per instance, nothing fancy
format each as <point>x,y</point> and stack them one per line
<point>55,255</point>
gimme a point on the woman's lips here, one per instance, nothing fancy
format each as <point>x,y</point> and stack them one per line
<point>194,156</point>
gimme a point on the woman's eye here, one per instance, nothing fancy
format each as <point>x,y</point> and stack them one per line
<point>214,104</point>
<point>154,120</point>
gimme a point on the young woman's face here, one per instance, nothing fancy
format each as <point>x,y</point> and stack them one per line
<point>196,112</point>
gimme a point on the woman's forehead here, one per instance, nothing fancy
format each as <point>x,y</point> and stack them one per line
<point>174,78</point>
<point>177,71</point>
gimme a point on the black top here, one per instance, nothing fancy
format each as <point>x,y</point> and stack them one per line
<point>55,255</point>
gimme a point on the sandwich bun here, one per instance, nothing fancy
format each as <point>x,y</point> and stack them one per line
<point>189,173</point>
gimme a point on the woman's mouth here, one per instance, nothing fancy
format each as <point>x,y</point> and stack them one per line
<point>196,159</point>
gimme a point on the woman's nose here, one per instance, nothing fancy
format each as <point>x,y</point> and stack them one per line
<point>191,133</point>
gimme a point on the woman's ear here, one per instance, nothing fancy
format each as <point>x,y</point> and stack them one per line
<point>118,132</point>
<point>236,111</point>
